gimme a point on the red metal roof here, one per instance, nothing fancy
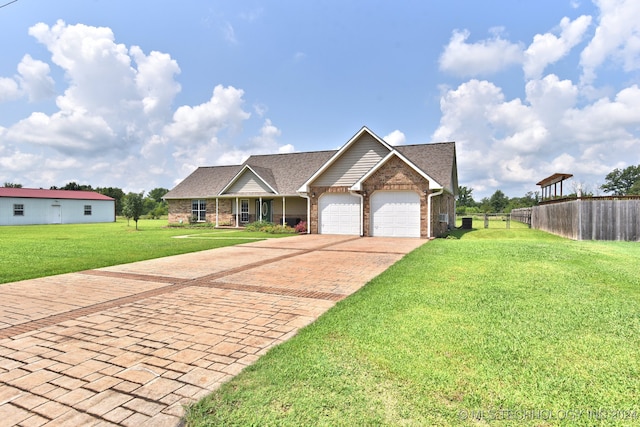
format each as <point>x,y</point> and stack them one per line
<point>35,193</point>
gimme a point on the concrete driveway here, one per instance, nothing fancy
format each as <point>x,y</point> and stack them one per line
<point>131,344</point>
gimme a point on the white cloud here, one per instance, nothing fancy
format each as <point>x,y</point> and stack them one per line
<point>115,124</point>
<point>481,58</point>
<point>511,144</point>
<point>204,121</point>
<point>395,138</point>
<point>229,33</point>
<point>617,37</point>
<point>9,89</point>
<point>548,48</point>
<point>34,79</point>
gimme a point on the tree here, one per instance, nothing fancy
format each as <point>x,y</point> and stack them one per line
<point>530,199</point>
<point>114,193</point>
<point>133,206</point>
<point>619,182</point>
<point>12,185</point>
<point>465,197</point>
<point>157,194</point>
<point>74,186</point>
<point>498,201</point>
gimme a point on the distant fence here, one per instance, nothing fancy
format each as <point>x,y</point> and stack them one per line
<point>490,220</point>
<point>593,218</point>
<point>522,215</point>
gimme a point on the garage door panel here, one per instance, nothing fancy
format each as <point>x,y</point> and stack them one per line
<point>395,214</point>
<point>339,214</point>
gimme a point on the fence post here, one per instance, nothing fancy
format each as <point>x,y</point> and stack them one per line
<point>508,221</point>
<point>486,221</point>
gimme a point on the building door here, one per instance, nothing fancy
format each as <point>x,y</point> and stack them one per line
<point>339,213</point>
<point>395,214</point>
<point>264,212</point>
<point>56,214</point>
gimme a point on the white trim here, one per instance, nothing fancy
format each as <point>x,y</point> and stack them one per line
<point>358,185</point>
<point>338,154</point>
<point>239,174</point>
<point>308,221</point>
<point>237,209</point>
<point>216,211</point>
<point>361,211</point>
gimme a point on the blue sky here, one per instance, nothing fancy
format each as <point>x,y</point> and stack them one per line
<point>138,94</point>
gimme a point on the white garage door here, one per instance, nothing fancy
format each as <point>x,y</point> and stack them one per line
<point>339,214</point>
<point>395,214</point>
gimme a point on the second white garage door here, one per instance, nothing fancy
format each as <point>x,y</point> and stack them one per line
<point>339,214</point>
<point>395,214</point>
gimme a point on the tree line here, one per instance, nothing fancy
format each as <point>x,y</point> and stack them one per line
<point>498,202</point>
<point>618,182</point>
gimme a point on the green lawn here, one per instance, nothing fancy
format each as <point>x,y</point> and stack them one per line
<point>43,250</point>
<point>499,327</point>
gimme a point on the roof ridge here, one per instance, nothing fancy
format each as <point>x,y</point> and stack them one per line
<point>424,143</point>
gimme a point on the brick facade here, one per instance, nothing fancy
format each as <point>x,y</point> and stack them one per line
<point>396,175</point>
<point>180,211</point>
<point>393,175</point>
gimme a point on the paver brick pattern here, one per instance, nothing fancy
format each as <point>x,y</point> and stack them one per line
<point>132,344</point>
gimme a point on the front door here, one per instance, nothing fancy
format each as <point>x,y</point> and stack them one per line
<point>56,214</point>
<point>263,213</point>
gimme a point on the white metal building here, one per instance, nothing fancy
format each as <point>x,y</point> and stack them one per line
<point>25,206</point>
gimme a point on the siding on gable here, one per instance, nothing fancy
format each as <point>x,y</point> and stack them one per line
<point>356,161</point>
<point>248,183</point>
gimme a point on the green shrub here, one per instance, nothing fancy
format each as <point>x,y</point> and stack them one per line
<point>269,227</point>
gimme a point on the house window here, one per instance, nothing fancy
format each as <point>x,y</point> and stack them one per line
<point>199,210</point>
<point>443,217</point>
<point>18,210</point>
<point>87,209</point>
<point>244,211</point>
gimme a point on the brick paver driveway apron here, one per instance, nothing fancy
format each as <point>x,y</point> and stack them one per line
<point>131,344</point>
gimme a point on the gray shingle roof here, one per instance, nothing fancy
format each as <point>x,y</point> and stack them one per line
<point>286,173</point>
<point>438,160</point>
<point>204,182</point>
<point>290,170</point>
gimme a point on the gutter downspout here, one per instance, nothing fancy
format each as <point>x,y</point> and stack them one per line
<point>361,211</point>
<point>306,196</point>
<point>437,193</point>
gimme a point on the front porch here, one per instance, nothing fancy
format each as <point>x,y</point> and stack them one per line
<point>238,211</point>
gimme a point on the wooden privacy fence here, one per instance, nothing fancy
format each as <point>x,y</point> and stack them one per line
<point>522,215</point>
<point>594,218</point>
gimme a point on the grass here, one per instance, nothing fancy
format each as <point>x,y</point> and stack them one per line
<point>493,326</point>
<point>43,250</point>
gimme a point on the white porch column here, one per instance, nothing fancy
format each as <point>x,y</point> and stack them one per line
<point>216,211</point>
<point>283,212</point>
<point>260,201</point>
<point>237,210</point>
